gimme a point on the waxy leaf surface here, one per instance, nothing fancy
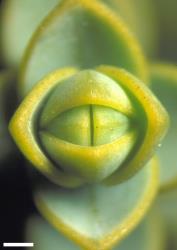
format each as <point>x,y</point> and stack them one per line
<point>140,17</point>
<point>20,18</point>
<point>97,216</point>
<point>147,235</point>
<point>84,34</point>
<point>68,94</point>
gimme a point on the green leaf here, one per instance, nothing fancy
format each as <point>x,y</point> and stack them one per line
<point>97,216</point>
<point>164,85</point>
<point>140,17</point>
<point>84,34</point>
<point>45,237</point>
<point>152,117</point>
<point>20,18</point>
<point>92,94</point>
<point>26,136</point>
<point>149,235</point>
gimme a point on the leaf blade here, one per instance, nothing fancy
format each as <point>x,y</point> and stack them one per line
<point>64,209</point>
<point>77,34</point>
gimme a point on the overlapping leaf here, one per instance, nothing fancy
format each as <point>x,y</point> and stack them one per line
<point>35,126</point>
<point>140,18</point>
<point>96,216</point>
<point>20,18</point>
<point>164,85</point>
<point>148,235</point>
<point>77,34</point>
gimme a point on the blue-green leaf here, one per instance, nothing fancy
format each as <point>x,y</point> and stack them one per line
<point>149,235</point>
<point>82,34</point>
<point>20,18</point>
<point>45,237</point>
<point>97,216</point>
<point>140,16</point>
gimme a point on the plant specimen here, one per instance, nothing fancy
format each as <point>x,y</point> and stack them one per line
<point>91,112</point>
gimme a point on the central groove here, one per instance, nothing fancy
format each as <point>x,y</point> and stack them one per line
<point>91,126</point>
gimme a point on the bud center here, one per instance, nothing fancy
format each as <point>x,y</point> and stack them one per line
<point>89,125</point>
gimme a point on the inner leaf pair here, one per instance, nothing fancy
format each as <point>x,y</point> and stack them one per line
<point>89,126</point>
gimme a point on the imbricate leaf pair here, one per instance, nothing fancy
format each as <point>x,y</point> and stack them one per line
<point>91,130</point>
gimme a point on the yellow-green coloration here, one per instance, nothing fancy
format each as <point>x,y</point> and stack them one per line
<point>164,85</point>
<point>140,16</point>
<point>97,216</point>
<point>149,235</point>
<point>88,126</point>
<point>156,122</point>
<point>94,123</point>
<point>22,128</point>
<point>90,131</point>
<point>20,18</point>
<point>45,236</point>
<point>76,34</point>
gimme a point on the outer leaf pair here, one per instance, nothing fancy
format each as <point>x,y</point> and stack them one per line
<point>120,123</point>
<point>82,214</point>
<point>113,152</point>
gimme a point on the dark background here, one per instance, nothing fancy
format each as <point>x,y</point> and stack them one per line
<point>15,196</point>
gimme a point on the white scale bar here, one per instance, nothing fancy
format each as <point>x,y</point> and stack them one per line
<point>18,244</point>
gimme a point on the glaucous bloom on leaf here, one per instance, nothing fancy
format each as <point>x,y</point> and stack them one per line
<point>89,126</point>
<point>89,131</point>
